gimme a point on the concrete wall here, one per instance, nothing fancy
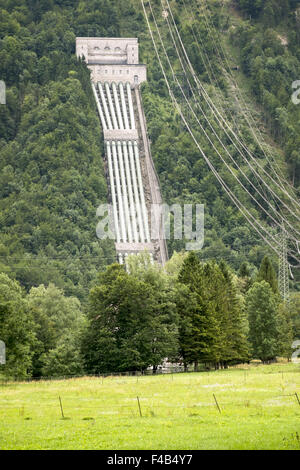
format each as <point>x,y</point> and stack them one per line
<point>132,177</point>
<point>134,247</point>
<point>112,59</point>
<point>108,50</point>
<point>134,74</point>
<point>131,134</point>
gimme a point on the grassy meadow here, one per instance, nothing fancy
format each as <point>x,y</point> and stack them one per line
<point>258,409</point>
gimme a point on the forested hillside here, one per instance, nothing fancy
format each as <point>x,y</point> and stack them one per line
<point>269,51</point>
<point>248,73</point>
<point>51,168</point>
<point>52,178</point>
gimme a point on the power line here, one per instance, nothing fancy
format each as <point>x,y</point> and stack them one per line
<point>219,48</point>
<point>194,72</point>
<point>283,272</point>
<point>235,200</point>
<point>224,147</point>
<point>221,181</point>
<point>215,112</point>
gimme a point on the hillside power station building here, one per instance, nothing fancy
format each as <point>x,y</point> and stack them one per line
<point>116,77</point>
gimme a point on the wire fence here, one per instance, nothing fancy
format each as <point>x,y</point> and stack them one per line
<point>139,406</point>
<point>138,373</point>
<point>164,370</point>
<point>134,398</point>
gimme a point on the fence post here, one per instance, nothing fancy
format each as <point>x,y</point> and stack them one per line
<point>217,403</point>
<point>139,406</point>
<point>61,408</point>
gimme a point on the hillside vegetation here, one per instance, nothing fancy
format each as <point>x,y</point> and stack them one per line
<point>52,181</point>
<point>51,156</point>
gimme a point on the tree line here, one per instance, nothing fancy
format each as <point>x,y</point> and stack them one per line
<point>188,312</point>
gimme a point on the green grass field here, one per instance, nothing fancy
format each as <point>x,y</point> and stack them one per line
<point>259,410</point>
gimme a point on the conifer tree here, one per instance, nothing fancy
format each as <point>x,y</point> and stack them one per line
<point>261,305</point>
<point>244,270</point>
<point>132,323</point>
<point>284,332</point>
<point>267,273</point>
<point>236,347</point>
<point>198,325</point>
<point>210,313</point>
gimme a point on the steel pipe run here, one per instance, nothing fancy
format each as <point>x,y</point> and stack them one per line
<point>118,108</point>
<point>132,207</point>
<point>119,193</point>
<point>124,107</point>
<point>102,96</point>
<point>136,193</point>
<point>102,118</point>
<point>124,191</point>
<point>111,106</point>
<point>140,181</point>
<point>113,193</point>
<point>130,103</point>
<point>116,111</point>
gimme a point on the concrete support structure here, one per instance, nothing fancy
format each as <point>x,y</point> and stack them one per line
<point>134,186</point>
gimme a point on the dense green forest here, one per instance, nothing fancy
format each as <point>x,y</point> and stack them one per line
<point>52,181</point>
<point>192,313</point>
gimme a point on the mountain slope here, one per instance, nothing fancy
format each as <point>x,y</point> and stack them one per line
<point>52,178</point>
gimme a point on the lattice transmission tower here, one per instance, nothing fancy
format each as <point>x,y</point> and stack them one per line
<point>283,272</point>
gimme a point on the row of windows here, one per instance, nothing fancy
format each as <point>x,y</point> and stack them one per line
<point>107,48</point>
<point>113,71</point>
<point>136,77</point>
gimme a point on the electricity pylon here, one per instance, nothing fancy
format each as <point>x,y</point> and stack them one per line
<point>283,272</point>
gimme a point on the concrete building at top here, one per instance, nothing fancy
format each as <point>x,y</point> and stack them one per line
<point>116,77</point>
<point>112,59</point>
